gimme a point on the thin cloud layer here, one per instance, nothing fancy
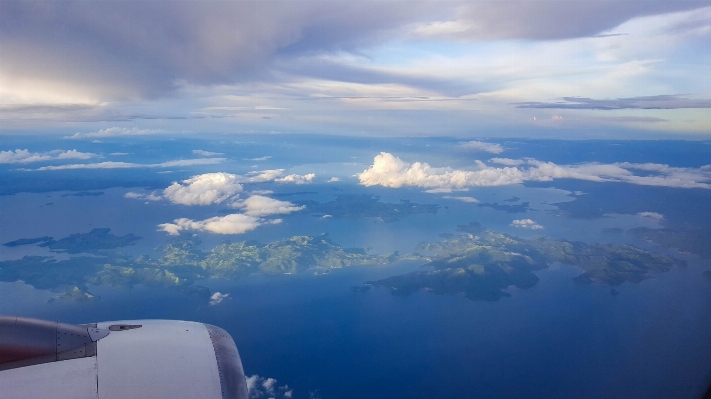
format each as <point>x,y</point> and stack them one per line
<point>204,153</point>
<point>25,156</point>
<point>206,189</point>
<point>649,102</point>
<point>258,205</point>
<point>115,131</point>
<point>470,200</point>
<point>230,224</point>
<point>526,224</point>
<point>390,171</point>
<point>129,165</point>
<point>482,146</point>
<point>651,215</point>
<point>507,161</point>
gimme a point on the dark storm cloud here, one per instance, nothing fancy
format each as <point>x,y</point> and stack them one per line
<point>649,102</point>
<point>138,49</point>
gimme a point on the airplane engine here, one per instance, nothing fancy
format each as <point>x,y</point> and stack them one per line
<point>136,359</point>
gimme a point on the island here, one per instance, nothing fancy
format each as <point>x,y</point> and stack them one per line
<point>182,262</point>
<point>355,206</point>
<point>94,241</point>
<point>482,264</point>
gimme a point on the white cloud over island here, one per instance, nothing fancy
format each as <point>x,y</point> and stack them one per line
<point>229,224</point>
<point>218,188</point>
<point>390,171</point>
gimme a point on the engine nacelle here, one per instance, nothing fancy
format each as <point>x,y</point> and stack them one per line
<point>122,359</point>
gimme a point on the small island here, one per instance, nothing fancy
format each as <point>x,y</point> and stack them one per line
<point>355,206</point>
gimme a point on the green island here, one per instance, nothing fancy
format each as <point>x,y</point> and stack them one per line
<point>481,264</point>
<point>475,261</point>
<point>181,264</point>
<point>693,240</point>
<point>94,241</point>
<point>355,206</point>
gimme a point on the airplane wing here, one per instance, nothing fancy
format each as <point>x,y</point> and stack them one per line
<point>123,359</point>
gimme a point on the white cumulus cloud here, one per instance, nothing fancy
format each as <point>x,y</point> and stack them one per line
<point>205,189</point>
<point>263,388</point>
<point>229,224</point>
<point>217,298</point>
<point>526,224</point>
<point>390,171</point>
<point>296,179</point>
<point>482,146</point>
<point>258,205</point>
<point>260,176</point>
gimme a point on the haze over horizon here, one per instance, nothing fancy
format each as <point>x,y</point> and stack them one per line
<point>536,69</point>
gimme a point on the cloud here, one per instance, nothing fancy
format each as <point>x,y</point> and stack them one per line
<point>263,388</point>
<point>507,161</point>
<point>100,165</point>
<point>296,179</point>
<point>652,215</point>
<point>261,192</point>
<point>471,200</point>
<point>217,298</point>
<point>263,175</point>
<point>139,196</point>
<point>538,20</point>
<point>119,153</point>
<point>229,224</point>
<point>258,205</point>
<point>390,171</point>
<point>25,156</point>
<point>649,102</point>
<point>264,158</point>
<point>205,189</point>
<point>206,153</point>
<point>129,165</point>
<point>526,224</point>
<point>115,131</point>
<point>482,146</point>
<point>333,180</point>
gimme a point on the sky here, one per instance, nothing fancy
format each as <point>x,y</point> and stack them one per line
<point>548,69</point>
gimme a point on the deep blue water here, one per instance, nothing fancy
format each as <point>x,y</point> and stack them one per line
<point>555,340</point>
